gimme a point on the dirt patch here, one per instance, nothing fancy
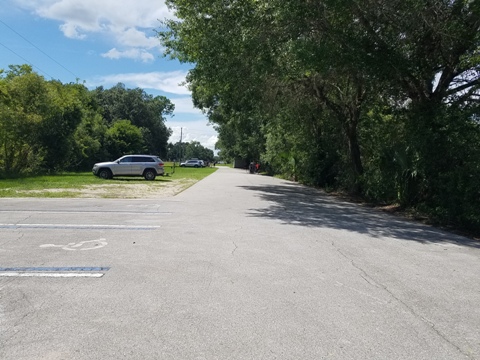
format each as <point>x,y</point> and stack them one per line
<point>148,190</point>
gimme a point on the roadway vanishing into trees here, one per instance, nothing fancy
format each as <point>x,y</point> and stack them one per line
<point>238,266</point>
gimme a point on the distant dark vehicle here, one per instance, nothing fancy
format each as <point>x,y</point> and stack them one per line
<point>192,163</point>
<point>148,166</point>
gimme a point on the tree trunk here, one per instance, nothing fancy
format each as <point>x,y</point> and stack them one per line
<point>354,149</point>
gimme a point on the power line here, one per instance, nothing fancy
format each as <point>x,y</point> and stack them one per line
<point>36,47</point>
<point>28,62</point>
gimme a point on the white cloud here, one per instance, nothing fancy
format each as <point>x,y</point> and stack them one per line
<point>184,105</point>
<point>70,31</point>
<point>193,131</point>
<point>135,54</point>
<point>136,38</point>
<point>92,15</point>
<point>169,82</point>
<point>211,141</point>
<point>126,22</point>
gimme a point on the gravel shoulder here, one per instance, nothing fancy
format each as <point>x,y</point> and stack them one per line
<point>148,190</point>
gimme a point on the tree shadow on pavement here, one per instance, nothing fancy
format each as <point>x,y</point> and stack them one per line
<point>303,206</point>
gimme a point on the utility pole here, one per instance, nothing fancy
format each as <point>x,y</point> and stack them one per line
<point>181,147</point>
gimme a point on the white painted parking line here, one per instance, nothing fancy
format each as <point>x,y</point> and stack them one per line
<point>82,245</point>
<point>87,212</point>
<point>78,226</point>
<point>42,274</point>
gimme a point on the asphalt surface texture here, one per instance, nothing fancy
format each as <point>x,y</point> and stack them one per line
<point>238,266</point>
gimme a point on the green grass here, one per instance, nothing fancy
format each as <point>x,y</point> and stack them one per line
<point>188,173</point>
<point>30,186</point>
<point>68,184</point>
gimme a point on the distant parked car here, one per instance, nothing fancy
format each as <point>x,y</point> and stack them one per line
<point>148,166</point>
<point>192,163</point>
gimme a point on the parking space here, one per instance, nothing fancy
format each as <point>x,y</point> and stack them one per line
<point>77,233</point>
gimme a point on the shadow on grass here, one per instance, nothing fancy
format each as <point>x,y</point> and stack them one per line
<point>303,206</point>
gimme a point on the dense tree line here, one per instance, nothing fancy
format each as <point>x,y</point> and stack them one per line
<point>378,97</point>
<point>47,126</point>
<point>189,150</point>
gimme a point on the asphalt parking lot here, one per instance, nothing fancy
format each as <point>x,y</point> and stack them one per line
<point>238,266</point>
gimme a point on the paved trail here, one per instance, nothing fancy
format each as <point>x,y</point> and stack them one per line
<point>238,266</point>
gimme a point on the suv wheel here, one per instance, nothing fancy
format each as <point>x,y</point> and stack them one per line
<point>105,174</point>
<point>149,174</point>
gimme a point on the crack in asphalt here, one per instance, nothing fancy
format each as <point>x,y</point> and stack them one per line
<point>17,239</point>
<point>235,249</point>
<point>364,275</point>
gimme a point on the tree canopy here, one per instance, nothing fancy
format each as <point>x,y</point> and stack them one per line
<point>376,97</point>
<point>189,150</point>
<point>47,126</point>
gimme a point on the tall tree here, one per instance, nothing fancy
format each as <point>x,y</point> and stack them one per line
<point>426,53</point>
<point>24,96</point>
<point>123,138</point>
<point>142,110</point>
<point>55,134</point>
<point>194,149</point>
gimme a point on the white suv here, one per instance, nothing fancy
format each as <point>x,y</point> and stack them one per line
<point>192,163</point>
<point>148,166</point>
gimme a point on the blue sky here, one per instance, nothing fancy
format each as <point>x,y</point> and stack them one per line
<point>101,43</point>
